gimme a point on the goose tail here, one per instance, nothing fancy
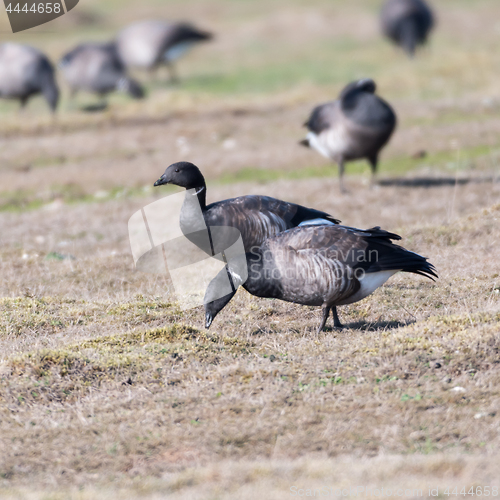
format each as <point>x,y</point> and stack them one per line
<point>408,262</point>
<point>391,257</point>
<point>421,266</point>
<point>133,88</point>
<point>409,36</point>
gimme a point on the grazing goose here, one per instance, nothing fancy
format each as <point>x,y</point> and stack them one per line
<point>25,71</point>
<point>96,68</point>
<point>148,44</point>
<point>256,217</point>
<point>407,23</point>
<point>357,125</point>
<point>326,266</point>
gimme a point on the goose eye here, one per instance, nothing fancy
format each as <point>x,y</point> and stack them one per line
<point>176,169</point>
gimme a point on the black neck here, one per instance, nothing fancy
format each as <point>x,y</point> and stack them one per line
<point>409,36</point>
<point>261,280</point>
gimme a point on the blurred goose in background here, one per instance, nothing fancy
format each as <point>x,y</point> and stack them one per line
<point>256,217</point>
<point>25,71</point>
<point>149,44</point>
<point>96,68</point>
<point>325,266</point>
<point>407,23</point>
<point>357,125</point>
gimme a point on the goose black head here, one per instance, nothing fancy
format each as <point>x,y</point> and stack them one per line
<point>363,85</point>
<point>48,84</point>
<point>186,32</point>
<point>51,93</point>
<point>130,86</point>
<point>215,307</point>
<point>183,174</point>
<point>215,296</point>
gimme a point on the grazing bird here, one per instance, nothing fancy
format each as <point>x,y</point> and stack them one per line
<point>407,23</point>
<point>256,217</point>
<point>25,71</point>
<point>97,68</point>
<point>149,44</point>
<point>326,266</point>
<point>357,125</point>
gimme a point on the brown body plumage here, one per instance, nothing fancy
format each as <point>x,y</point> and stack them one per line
<point>149,44</point>
<point>24,72</point>
<point>407,23</point>
<point>323,266</point>
<point>96,68</point>
<point>357,125</point>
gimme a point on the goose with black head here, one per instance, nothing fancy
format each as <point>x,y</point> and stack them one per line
<point>96,68</point>
<point>407,23</point>
<point>151,43</point>
<point>326,266</point>
<point>25,72</point>
<point>357,125</point>
<point>256,217</point>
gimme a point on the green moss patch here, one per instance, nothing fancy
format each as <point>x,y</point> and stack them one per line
<point>130,358</point>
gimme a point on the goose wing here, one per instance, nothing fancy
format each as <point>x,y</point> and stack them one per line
<point>396,12</point>
<point>182,33</point>
<point>312,278</point>
<point>371,250</point>
<point>93,66</point>
<point>261,217</point>
<point>323,117</point>
<point>17,64</point>
<point>371,113</point>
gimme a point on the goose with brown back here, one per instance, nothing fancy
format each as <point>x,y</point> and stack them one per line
<point>24,72</point>
<point>325,266</point>
<point>96,68</point>
<point>256,217</point>
<point>407,23</point>
<point>357,125</point>
<point>152,43</point>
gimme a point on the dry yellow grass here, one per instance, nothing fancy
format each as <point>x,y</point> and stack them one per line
<point>109,390</point>
<point>99,382</point>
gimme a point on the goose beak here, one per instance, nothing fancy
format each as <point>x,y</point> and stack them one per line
<point>208,320</point>
<point>162,180</point>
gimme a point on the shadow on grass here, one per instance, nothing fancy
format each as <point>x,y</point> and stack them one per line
<point>358,325</point>
<point>95,108</point>
<point>428,182</point>
<point>263,331</point>
<point>370,327</point>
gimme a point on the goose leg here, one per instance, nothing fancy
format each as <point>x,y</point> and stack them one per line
<point>341,176</point>
<point>23,102</point>
<point>336,320</point>
<point>173,73</point>
<point>152,74</point>
<point>102,104</point>
<point>326,313</point>
<point>373,165</point>
<point>72,99</point>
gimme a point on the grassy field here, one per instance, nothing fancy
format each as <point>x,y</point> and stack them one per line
<point>109,390</point>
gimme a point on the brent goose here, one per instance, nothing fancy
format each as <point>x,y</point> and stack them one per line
<point>25,71</point>
<point>149,44</point>
<point>256,217</point>
<point>357,125</point>
<point>97,68</point>
<point>407,23</point>
<point>326,266</point>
